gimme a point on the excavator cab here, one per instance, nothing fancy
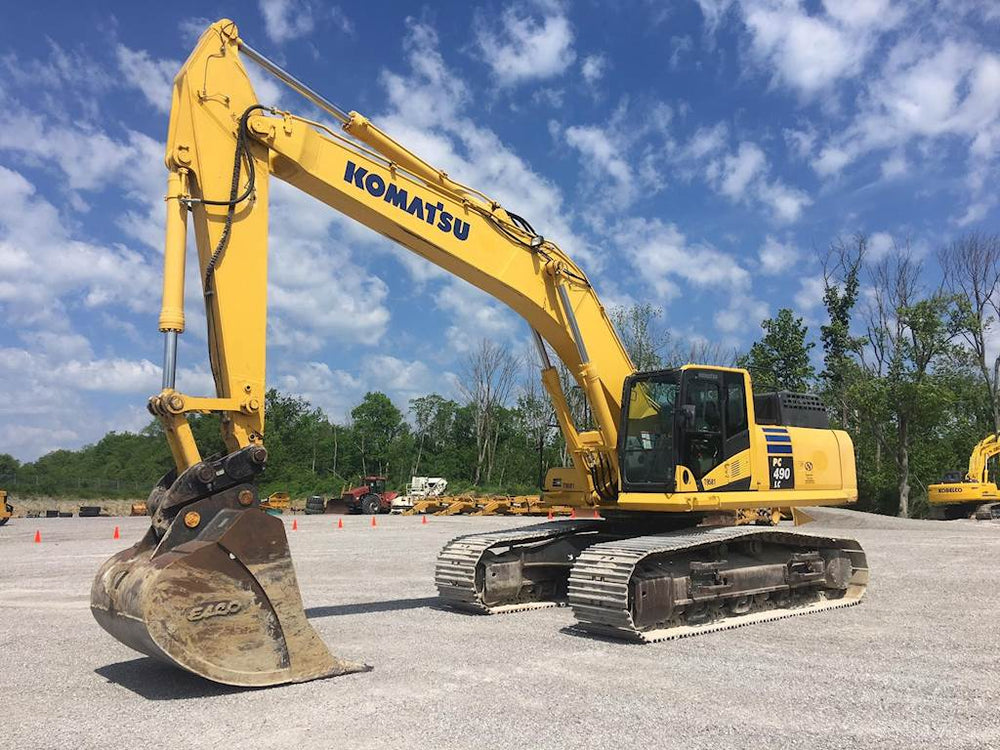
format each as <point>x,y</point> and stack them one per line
<point>689,419</point>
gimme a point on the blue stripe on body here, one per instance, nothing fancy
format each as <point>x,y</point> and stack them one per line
<point>772,439</point>
<point>779,449</point>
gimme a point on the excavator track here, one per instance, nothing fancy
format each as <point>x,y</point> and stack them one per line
<point>461,571</point>
<point>608,577</point>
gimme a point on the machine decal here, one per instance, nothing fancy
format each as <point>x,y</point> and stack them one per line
<point>376,186</point>
<point>782,472</point>
<point>213,609</point>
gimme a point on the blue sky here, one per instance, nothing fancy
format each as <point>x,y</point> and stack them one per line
<point>695,155</point>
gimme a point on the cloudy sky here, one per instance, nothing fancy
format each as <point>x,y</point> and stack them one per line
<point>693,154</point>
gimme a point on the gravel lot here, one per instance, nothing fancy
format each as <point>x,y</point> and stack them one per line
<point>916,665</point>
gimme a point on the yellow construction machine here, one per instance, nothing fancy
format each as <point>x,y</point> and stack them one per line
<point>960,495</point>
<point>6,509</point>
<point>211,586</point>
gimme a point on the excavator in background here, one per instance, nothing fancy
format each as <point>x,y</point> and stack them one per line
<point>211,586</point>
<point>6,509</point>
<point>974,493</point>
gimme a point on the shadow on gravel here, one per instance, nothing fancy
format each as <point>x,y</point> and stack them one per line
<point>578,632</point>
<point>364,608</point>
<point>156,681</point>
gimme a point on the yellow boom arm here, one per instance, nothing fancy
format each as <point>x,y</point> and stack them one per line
<point>985,450</point>
<point>366,175</point>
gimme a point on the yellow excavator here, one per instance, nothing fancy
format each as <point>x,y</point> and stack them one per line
<point>6,509</point>
<point>211,586</point>
<point>974,493</point>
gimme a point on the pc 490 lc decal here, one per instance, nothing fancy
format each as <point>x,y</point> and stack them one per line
<point>782,472</point>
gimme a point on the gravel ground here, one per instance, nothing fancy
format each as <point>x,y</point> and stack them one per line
<point>914,666</point>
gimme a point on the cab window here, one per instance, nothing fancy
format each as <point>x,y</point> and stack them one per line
<point>648,444</point>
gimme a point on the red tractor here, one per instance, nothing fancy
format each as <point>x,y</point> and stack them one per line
<point>370,497</point>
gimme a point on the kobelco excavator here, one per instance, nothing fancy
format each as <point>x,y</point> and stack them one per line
<point>959,495</point>
<point>211,586</point>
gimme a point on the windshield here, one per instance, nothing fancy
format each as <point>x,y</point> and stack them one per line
<point>648,451</point>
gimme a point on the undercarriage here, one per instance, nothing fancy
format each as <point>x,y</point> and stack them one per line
<point>623,583</point>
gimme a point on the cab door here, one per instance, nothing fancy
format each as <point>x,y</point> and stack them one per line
<point>715,428</point>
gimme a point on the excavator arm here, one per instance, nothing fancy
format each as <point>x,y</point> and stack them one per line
<point>222,149</point>
<point>985,449</point>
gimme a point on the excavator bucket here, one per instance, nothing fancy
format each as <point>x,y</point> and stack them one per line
<point>211,588</point>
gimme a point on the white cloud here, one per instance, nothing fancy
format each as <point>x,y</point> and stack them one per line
<point>42,272</point>
<point>624,158</point>
<point>154,78</point>
<point>664,255</point>
<point>894,166</point>
<point>743,178</point>
<point>524,48</point>
<point>73,73</point>
<point>286,19</point>
<point>880,244</point>
<point>863,14</point>
<point>809,52</point>
<point>40,393</point>
<point>810,293</point>
<point>800,142</point>
<point>741,316</point>
<point>786,203</point>
<point>475,315</point>
<point>739,169</point>
<point>681,45</point>
<point>714,11</point>
<point>776,257</point>
<point>602,157</point>
<point>593,68</point>
<point>317,291</point>
<point>804,51</point>
<point>830,161</point>
<point>925,93</point>
<point>707,141</point>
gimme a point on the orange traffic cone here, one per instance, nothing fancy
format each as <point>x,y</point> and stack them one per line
<point>596,513</point>
<point>373,522</point>
<point>550,515</point>
<point>424,521</point>
<point>572,513</point>
<point>38,537</point>
<point>117,534</point>
<point>295,524</point>
<point>340,523</point>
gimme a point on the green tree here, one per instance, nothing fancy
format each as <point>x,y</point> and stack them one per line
<point>841,284</point>
<point>377,424</point>
<point>908,336</point>
<point>426,411</point>
<point>780,360</point>
<point>8,465</point>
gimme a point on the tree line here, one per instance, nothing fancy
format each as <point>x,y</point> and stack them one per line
<point>908,368</point>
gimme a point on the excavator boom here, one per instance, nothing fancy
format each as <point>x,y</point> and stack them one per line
<point>211,586</point>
